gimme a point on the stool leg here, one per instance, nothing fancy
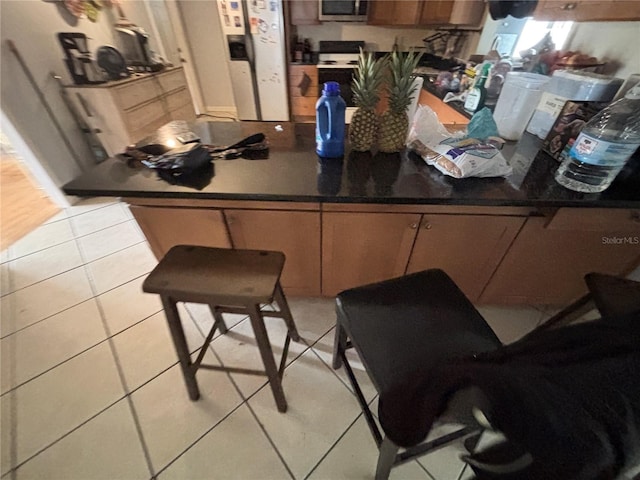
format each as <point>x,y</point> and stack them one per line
<point>339,345</point>
<point>217,316</point>
<point>180,344</point>
<point>262,339</point>
<point>286,313</point>
<point>386,459</point>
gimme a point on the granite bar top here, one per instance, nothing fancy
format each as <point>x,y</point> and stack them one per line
<point>293,172</point>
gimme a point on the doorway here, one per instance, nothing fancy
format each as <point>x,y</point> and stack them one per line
<point>24,205</point>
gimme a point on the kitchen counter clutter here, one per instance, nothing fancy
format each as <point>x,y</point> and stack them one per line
<point>341,223</point>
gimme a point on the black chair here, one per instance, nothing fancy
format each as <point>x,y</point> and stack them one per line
<point>425,346</point>
<point>400,325</point>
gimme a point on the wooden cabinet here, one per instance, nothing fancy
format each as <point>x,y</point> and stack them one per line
<point>446,114</point>
<point>496,255</point>
<point>549,258</point>
<point>394,12</point>
<point>467,247</point>
<point>126,111</point>
<point>166,227</point>
<point>303,12</point>
<point>303,91</point>
<point>587,10</point>
<point>361,248</point>
<point>426,12</point>
<point>296,234</point>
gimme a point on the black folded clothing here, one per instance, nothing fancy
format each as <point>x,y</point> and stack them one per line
<point>180,160</point>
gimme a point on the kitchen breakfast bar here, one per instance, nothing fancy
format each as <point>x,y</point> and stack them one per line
<point>523,239</point>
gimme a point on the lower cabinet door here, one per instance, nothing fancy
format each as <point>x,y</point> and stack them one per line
<point>361,248</point>
<point>548,260</point>
<point>467,247</point>
<point>295,233</point>
<point>166,227</point>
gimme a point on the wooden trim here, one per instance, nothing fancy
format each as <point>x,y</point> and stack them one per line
<point>448,209</point>
<point>226,204</point>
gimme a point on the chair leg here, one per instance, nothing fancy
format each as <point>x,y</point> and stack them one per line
<point>217,316</point>
<point>339,345</point>
<point>180,344</point>
<point>283,305</point>
<point>386,459</point>
<point>262,339</point>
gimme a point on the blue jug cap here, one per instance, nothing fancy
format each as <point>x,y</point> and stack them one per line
<point>331,88</point>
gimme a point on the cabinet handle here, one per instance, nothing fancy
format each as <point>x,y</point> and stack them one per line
<point>414,226</point>
<point>427,226</point>
<point>569,6</point>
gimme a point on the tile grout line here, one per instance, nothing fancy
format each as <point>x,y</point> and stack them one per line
<point>333,445</point>
<point>245,400</point>
<point>119,369</point>
<point>74,268</point>
<point>76,304</point>
<point>11,258</point>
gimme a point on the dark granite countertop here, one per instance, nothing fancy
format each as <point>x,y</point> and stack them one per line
<point>293,172</point>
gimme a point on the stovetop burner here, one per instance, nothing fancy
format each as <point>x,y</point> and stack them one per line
<point>328,62</point>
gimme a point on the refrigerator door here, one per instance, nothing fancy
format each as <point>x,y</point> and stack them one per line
<point>243,91</point>
<point>266,26</point>
<point>239,56</point>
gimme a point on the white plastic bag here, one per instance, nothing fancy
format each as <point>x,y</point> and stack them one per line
<point>451,153</point>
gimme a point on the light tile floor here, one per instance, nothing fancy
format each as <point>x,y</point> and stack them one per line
<point>91,388</point>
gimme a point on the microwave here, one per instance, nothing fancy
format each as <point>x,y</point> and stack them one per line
<point>343,10</point>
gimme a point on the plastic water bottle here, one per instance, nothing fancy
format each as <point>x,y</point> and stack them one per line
<point>330,110</point>
<point>603,147</point>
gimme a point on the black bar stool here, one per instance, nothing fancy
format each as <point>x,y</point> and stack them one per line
<point>229,281</point>
<point>399,325</point>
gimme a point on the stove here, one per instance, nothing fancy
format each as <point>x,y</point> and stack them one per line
<point>336,63</point>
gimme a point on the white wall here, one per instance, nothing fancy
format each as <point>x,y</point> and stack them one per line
<point>613,42</point>
<point>204,34</point>
<point>33,25</point>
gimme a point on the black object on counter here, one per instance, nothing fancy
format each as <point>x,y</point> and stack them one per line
<point>518,9</point>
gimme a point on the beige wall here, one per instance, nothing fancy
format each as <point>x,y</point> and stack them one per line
<point>614,42</point>
<point>33,25</point>
<point>204,34</point>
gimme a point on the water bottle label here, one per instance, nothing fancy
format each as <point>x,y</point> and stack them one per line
<point>596,151</point>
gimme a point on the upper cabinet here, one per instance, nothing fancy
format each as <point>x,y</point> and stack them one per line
<point>587,10</point>
<point>426,12</point>
<point>303,12</point>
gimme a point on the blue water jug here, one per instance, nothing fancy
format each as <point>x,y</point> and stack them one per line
<point>330,122</point>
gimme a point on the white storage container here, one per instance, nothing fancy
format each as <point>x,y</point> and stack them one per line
<point>570,85</point>
<point>518,99</point>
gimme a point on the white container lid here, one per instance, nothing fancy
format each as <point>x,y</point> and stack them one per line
<point>530,81</point>
<point>584,77</point>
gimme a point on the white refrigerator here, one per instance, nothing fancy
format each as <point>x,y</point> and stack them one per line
<point>253,34</point>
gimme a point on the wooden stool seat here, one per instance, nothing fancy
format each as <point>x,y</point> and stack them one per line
<point>229,281</point>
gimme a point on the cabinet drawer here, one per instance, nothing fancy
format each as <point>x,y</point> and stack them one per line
<point>178,99</point>
<point>185,112</point>
<point>144,115</point>
<point>303,105</point>
<point>171,80</point>
<point>132,94</point>
<point>149,129</point>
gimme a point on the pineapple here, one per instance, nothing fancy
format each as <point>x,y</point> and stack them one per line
<point>394,123</point>
<point>366,83</point>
